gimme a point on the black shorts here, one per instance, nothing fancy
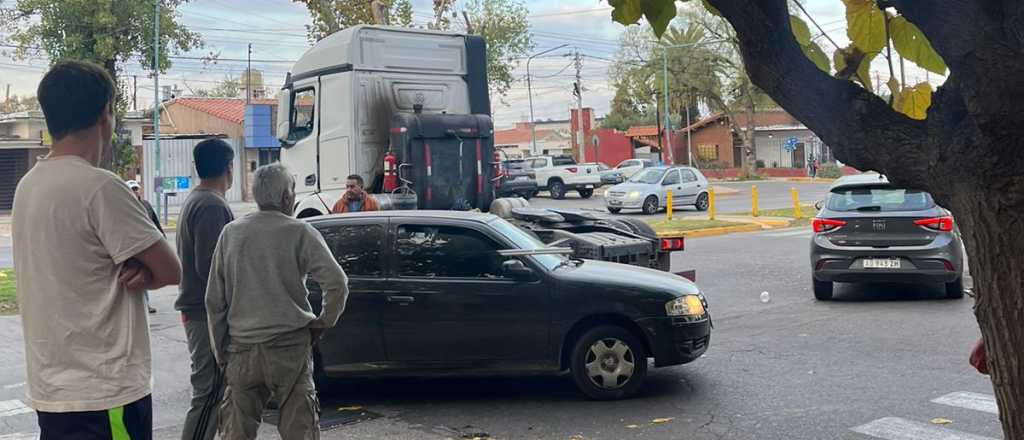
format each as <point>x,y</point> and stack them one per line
<point>133,421</point>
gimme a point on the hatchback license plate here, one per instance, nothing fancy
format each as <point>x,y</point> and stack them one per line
<point>882,263</point>
<point>614,202</point>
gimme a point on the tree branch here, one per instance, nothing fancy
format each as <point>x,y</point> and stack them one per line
<point>861,128</point>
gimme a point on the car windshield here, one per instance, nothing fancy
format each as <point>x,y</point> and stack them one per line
<point>649,176</point>
<point>879,199</point>
<point>526,241</point>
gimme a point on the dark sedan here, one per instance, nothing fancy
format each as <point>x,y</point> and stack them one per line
<point>869,230</point>
<point>444,292</point>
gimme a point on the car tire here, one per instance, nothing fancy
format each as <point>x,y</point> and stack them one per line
<point>604,354</point>
<point>955,290</point>
<point>650,205</point>
<point>557,190</point>
<point>702,202</point>
<point>823,290</point>
<point>614,210</point>
<point>585,193</point>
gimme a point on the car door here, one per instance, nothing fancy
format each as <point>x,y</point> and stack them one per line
<point>670,182</point>
<point>541,170</point>
<point>691,187</point>
<point>359,247</point>
<point>454,305</point>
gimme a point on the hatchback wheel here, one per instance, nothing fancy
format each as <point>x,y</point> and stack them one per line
<point>823,290</point>
<point>608,362</point>
<point>955,290</point>
<point>702,202</point>
<point>557,190</point>
<point>650,205</point>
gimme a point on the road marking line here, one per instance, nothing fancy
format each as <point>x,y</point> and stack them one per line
<point>895,428</point>
<point>13,407</point>
<point>974,401</point>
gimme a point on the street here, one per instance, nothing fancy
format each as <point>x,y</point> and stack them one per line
<point>868,365</point>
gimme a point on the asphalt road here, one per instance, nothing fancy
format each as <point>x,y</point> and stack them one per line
<point>794,368</point>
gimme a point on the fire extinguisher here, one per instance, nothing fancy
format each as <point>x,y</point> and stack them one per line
<point>499,171</point>
<point>390,172</point>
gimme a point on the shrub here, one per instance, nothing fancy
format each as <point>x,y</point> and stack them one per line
<point>829,171</point>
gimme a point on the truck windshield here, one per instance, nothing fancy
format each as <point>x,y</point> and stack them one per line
<point>526,241</point>
<point>649,176</point>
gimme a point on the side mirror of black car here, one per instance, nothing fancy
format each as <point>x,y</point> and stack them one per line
<point>819,204</point>
<point>515,269</point>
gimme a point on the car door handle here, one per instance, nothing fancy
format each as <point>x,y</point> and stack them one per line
<point>403,300</point>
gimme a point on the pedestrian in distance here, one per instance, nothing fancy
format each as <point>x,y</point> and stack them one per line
<point>261,323</point>
<point>137,190</point>
<point>355,198</point>
<point>203,215</point>
<point>84,251</point>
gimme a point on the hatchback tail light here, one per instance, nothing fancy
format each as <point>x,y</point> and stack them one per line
<point>672,244</point>
<point>944,224</point>
<point>826,225</point>
<point>571,170</point>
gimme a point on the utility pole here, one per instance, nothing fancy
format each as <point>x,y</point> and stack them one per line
<point>689,145</point>
<point>248,76</point>
<point>581,155</point>
<point>135,92</point>
<point>156,109</point>
<point>7,99</point>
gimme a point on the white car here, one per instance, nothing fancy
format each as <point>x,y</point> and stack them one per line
<point>648,190</point>
<point>629,167</point>
<point>560,174</point>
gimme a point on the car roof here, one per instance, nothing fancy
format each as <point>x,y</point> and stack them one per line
<point>479,217</point>
<point>859,180</point>
<point>671,167</point>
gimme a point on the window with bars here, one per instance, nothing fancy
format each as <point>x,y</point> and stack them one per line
<point>707,152</point>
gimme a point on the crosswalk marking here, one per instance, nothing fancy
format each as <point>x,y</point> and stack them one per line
<point>973,401</point>
<point>12,408</point>
<point>895,428</point>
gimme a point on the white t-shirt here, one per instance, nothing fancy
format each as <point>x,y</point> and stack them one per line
<point>86,336</point>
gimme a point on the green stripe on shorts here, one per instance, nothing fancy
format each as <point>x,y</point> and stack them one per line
<point>117,429</point>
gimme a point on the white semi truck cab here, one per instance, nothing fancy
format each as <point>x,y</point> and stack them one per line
<point>368,90</point>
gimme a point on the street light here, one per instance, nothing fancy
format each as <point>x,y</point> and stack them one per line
<point>664,79</point>
<point>529,89</point>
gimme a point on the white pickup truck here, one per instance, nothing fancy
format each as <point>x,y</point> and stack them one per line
<point>559,174</point>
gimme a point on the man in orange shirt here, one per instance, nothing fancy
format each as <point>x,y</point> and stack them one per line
<point>355,198</point>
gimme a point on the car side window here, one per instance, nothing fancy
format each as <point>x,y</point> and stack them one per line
<point>671,178</point>
<point>357,248</point>
<point>627,164</point>
<point>688,176</point>
<point>427,251</point>
<point>539,163</point>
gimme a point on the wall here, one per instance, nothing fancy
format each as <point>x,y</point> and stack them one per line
<point>613,147</point>
<point>176,160</point>
<point>177,118</point>
<point>770,150</point>
<point>716,133</point>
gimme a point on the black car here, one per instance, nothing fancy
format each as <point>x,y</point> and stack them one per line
<point>516,180</point>
<point>444,292</point>
<point>869,230</point>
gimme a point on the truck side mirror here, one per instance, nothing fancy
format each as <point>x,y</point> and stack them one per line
<point>284,116</point>
<point>516,270</point>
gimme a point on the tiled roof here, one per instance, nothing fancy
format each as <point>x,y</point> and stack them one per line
<point>519,135</point>
<point>642,130</point>
<point>230,109</point>
<point>696,125</point>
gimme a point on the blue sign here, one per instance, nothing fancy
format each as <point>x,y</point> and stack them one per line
<point>790,144</point>
<point>182,182</point>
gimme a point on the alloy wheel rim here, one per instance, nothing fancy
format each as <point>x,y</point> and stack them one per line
<point>609,363</point>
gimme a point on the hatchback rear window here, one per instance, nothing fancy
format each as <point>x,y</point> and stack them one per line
<point>879,199</point>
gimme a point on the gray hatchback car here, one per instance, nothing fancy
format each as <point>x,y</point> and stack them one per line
<point>869,230</point>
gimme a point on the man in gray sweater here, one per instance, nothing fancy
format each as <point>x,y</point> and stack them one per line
<point>262,327</point>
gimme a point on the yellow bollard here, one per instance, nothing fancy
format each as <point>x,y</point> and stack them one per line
<point>668,205</point>
<point>711,203</point>
<point>796,204</point>
<point>753,200</point>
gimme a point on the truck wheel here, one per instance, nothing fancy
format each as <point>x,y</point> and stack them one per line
<point>639,227</point>
<point>650,205</point>
<point>585,193</point>
<point>557,190</point>
<point>614,210</point>
<point>823,290</point>
<point>608,363</point>
<point>955,290</point>
<point>702,202</point>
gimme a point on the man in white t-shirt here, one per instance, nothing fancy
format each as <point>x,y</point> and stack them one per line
<point>84,251</point>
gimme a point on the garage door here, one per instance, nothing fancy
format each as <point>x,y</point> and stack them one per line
<point>12,167</point>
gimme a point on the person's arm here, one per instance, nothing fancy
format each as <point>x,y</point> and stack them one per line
<point>320,263</point>
<point>206,228</point>
<point>153,268</point>
<point>338,207</point>
<point>217,307</point>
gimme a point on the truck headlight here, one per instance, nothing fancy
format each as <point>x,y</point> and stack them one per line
<point>686,305</point>
<point>634,194</point>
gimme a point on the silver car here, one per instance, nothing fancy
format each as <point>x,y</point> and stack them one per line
<point>648,189</point>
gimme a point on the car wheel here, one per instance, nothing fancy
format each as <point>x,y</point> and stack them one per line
<point>955,290</point>
<point>585,193</point>
<point>614,210</point>
<point>650,205</point>
<point>702,202</point>
<point>557,190</point>
<point>823,290</point>
<point>608,363</point>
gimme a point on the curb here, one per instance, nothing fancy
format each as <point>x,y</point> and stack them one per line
<point>809,180</point>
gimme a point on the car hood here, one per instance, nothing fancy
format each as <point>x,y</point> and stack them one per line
<point>628,280</point>
<point>630,186</point>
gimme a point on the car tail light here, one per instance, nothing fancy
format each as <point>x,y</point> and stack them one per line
<point>944,224</point>
<point>949,265</point>
<point>571,170</point>
<point>672,244</point>
<point>826,225</point>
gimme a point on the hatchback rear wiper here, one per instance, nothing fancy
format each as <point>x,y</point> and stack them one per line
<point>869,208</point>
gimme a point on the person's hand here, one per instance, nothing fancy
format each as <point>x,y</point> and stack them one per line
<point>979,359</point>
<point>316,330</point>
<point>134,275</point>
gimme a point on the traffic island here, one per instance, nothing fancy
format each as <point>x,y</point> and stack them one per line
<point>700,227</point>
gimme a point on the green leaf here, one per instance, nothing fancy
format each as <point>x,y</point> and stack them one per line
<point>659,13</point>
<point>865,25</point>
<point>626,12</point>
<point>864,72</point>
<point>713,10</point>
<point>846,58</point>
<point>914,101</point>
<point>914,46</point>
<point>817,56</point>
<point>800,30</point>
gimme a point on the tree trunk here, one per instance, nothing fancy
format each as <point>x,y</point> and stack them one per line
<point>750,134</point>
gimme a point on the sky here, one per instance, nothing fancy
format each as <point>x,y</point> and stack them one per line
<point>276,29</point>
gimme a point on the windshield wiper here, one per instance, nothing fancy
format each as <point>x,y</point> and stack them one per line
<point>869,208</point>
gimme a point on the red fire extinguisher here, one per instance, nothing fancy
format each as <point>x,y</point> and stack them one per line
<point>390,172</point>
